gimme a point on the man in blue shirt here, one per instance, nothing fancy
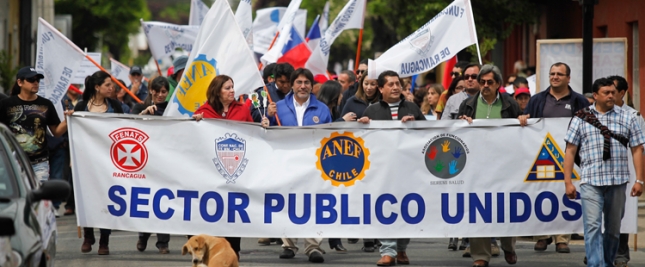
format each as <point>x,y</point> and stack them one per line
<point>602,133</point>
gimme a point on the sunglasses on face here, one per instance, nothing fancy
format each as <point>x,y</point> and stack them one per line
<point>487,82</point>
<point>360,71</point>
<point>32,79</point>
<point>471,76</point>
<point>455,74</point>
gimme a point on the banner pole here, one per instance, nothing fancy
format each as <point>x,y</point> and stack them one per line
<point>472,19</point>
<point>114,79</point>
<point>358,49</point>
<point>277,119</point>
<point>271,46</point>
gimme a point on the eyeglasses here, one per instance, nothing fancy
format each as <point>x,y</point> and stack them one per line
<point>459,88</point>
<point>32,80</point>
<point>486,82</point>
<point>455,74</point>
<point>360,71</point>
<point>306,83</point>
<point>471,76</point>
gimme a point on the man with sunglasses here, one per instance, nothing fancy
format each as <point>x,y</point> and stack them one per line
<point>28,116</point>
<point>489,103</point>
<point>362,70</point>
<point>557,101</point>
<point>472,87</point>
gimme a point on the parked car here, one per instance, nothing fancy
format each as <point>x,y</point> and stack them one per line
<point>27,202</point>
<point>8,258</point>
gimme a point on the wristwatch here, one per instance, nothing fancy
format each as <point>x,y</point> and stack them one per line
<point>640,182</point>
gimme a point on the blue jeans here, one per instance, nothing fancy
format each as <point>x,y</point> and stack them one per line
<point>601,248</point>
<point>56,166</point>
<point>390,247</point>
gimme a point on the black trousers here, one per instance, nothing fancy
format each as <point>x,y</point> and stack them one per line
<point>623,248</point>
<point>162,239</point>
<point>235,244</point>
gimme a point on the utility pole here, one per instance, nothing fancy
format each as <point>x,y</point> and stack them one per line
<point>587,43</point>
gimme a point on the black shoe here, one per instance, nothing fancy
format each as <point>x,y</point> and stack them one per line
<point>142,244</point>
<point>316,257</point>
<point>377,243</point>
<point>368,249</point>
<point>339,248</point>
<point>352,240</point>
<point>287,254</point>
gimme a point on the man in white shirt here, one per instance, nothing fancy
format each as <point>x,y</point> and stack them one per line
<point>472,88</point>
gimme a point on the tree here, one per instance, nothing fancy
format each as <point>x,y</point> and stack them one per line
<point>108,21</point>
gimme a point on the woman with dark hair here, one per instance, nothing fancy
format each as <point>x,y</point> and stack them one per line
<point>330,95</point>
<point>120,95</point>
<point>221,104</point>
<point>96,98</point>
<point>367,94</point>
<point>155,103</point>
<point>458,84</point>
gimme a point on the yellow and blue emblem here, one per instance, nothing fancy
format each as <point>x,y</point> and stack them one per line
<point>549,164</point>
<point>191,89</point>
<point>343,159</point>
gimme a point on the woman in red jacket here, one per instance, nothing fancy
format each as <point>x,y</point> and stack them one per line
<point>221,102</point>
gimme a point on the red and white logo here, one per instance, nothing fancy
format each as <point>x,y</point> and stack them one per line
<point>128,151</point>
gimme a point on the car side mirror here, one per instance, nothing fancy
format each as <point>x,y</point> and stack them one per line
<point>7,227</point>
<point>51,190</point>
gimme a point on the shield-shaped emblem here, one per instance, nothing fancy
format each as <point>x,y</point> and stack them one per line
<point>422,42</point>
<point>230,161</point>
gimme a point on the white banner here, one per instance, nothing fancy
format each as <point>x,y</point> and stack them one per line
<point>120,71</point>
<point>609,58</point>
<point>58,59</point>
<point>324,19</point>
<point>86,68</point>
<point>450,31</point>
<point>220,48</point>
<point>423,179</point>
<point>350,17</point>
<point>198,11</point>
<point>244,19</point>
<point>164,38</point>
<point>265,26</point>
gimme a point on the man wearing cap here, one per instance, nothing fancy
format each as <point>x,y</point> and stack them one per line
<point>522,96</point>
<point>137,87</point>
<point>557,101</point>
<point>178,65</point>
<point>28,116</point>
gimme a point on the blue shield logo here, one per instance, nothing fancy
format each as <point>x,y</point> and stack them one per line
<point>230,161</point>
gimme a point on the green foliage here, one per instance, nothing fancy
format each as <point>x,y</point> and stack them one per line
<point>112,20</point>
<point>7,73</point>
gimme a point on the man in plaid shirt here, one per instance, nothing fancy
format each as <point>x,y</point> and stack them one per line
<point>605,169</point>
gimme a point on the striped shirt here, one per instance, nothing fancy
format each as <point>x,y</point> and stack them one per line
<point>394,109</point>
<point>595,170</point>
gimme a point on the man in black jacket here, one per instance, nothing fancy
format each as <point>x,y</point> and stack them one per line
<point>558,100</point>
<point>489,104</point>
<point>392,107</point>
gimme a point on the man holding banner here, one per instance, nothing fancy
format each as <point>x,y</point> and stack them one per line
<point>602,134</point>
<point>490,104</point>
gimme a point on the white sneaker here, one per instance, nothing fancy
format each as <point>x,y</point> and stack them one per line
<point>56,213</point>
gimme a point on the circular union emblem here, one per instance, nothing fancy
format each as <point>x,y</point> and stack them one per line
<point>191,89</point>
<point>445,156</point>
<point>342,159</point>
<point>128,152</point>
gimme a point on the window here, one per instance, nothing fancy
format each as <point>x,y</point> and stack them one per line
<point>545,172</point>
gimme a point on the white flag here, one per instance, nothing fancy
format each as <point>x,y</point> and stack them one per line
<point>324,19</point>
<point>244,18</point>
<point>198,11</point>
<point>57,59</point>
<point>120,71</point>
<point>164,38</point>
<point>220,48</point>
<point>450,31</point>
<point>265,26</point>
<point>289,15</point>
<point>86,68</point>
<point>351,17</point>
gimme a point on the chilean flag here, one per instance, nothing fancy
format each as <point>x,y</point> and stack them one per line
<point>314,35</point>
<point>447,71</point>
<point>295,51</point>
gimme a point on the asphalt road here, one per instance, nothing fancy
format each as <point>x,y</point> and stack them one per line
<point>422,252</point>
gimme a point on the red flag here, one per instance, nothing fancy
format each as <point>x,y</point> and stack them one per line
<point>447,72</point>
<point>295,52</point>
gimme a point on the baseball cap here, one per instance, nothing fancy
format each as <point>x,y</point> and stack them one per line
<point>522,90</point>
<point>320,78</point>
<point>180,63</point>
<point>135,70</point>
<point>28,72</point>
<point>171,71</point>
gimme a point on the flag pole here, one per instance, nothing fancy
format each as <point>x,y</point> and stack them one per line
<point>114,79</point>
<point>158,68</point>
<point>277,119</point>
<point>358,49</point>
<point>472,19</point>
<point>271,45</point>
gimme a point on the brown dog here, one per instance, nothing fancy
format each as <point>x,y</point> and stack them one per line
<point>210,251</point>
